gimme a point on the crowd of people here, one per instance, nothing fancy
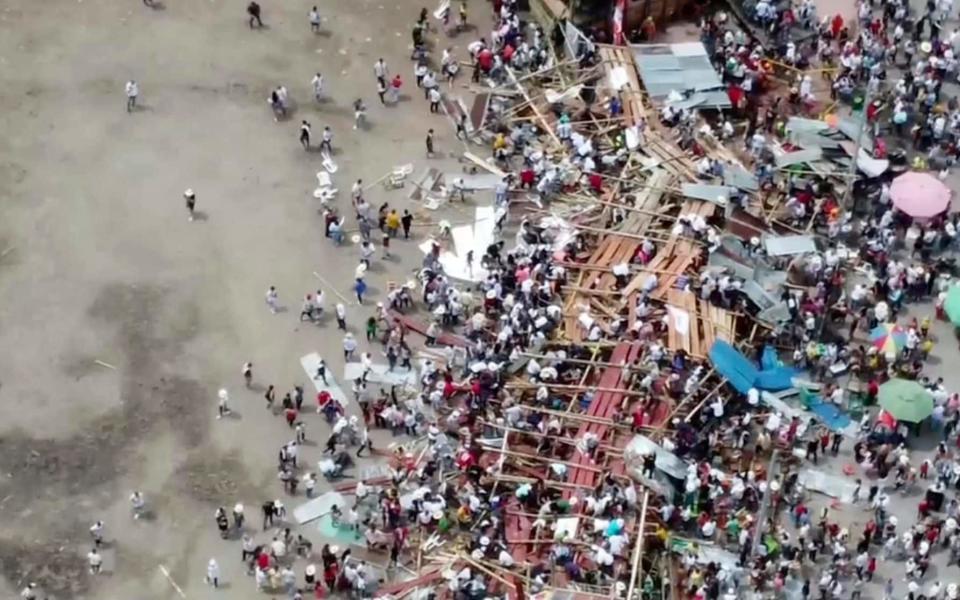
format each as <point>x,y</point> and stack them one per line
<point>493,370</point>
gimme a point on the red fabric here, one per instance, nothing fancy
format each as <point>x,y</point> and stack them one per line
<point>596,182</point>
<point>736,95</point>
<point>485,58</point>
<point>836,25</point>
<point>449,389</point>
<point>886,419</point>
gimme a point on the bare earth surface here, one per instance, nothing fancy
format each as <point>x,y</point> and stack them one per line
<point>100,263</point>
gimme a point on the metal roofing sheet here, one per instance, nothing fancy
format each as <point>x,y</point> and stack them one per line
<point>737,176</point>
<point>786,245</point>
<point>681,67</point>
<point>800,156</point>
<point>719,194</point>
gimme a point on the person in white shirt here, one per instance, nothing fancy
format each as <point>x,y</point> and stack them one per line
<point>132,91</point>
<point>213,573</point>
<point>96,531</point>
<point>380,71</point>
<point>95,560</point>
<point>317,83</point>
<point>314,20</point>
<point>137,503</point>
<point>271,299</point>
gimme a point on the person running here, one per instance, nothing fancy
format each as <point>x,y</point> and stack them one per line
<point>270,396</point>
<point>253,11</point>
<point>326,141</point>
<point>321,372</point>
<point>382,91</point>
<point>380,71</point>
<point>305,135</point>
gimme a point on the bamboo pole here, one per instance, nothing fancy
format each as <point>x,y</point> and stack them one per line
<point>517,385</point>
<point>638,550</point>
<point>703,402</point>
<point>569,441</point>
<point>633,236</point>
<point>543,458</point>
<point>628,207</point>
<point>578,361</point>
<point>540,117</point>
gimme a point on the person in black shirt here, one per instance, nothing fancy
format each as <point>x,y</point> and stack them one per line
<point>253,10</point>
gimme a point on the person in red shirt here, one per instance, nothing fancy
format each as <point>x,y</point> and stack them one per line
<point>291,415</point>
<point>836,25</point>
<point>596,182</point>
<point>507,53</point>
<point>485,59</point>
<point>449,388</point>
<point>322,399</point>
<point>263,561</point>
<point>527,178</point>
<point>330,575</point>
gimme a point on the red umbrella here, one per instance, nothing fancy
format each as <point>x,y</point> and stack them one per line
<point>920,195</point>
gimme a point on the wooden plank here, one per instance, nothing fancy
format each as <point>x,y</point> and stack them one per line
<point>412,324</point>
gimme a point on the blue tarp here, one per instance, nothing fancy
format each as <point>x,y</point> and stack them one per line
<point>743,374</point>
<point>769,358</point>
<point>831,416</point>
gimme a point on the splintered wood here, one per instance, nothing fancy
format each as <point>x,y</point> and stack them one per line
<point>638,222</point>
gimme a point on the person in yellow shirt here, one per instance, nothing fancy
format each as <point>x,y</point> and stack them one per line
<point>392,223</point>
<point>500,146</point>
<point>463,516</point>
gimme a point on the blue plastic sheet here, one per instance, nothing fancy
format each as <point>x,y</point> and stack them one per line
<point>743,374</point>
<point>831,416</point>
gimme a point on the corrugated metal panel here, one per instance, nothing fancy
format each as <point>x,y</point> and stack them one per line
<point>800,156</point>
<point>786,245</point>
<point>718,194</point>
<point>679,67</point>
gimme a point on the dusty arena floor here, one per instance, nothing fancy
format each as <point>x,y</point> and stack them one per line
<point>98,262</point>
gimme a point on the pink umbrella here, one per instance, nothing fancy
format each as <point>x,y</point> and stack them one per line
<point>920,195</point>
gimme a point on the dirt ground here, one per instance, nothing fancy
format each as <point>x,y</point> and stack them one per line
<point>98,262</point>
